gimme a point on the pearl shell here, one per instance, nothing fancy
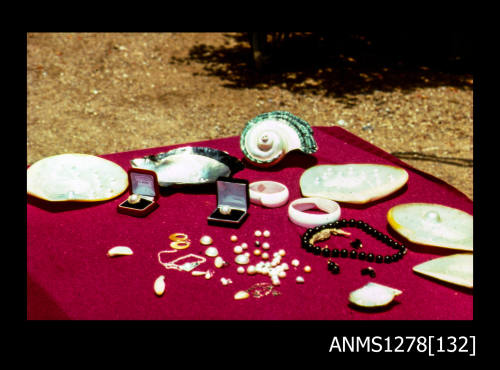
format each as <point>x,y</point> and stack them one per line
<point>433,224</point>
<point>456,269</point>
<point>299,280</point>
<point>211,252</point>
<point>75,177</point>
<point>267,138</point>
<point>373,295</point>
<point>352,183</point>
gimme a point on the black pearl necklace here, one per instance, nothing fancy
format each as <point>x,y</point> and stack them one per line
<point>323,232</point>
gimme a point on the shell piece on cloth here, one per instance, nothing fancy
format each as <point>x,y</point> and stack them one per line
<point>267,138</point>
<point>373,295</point>
<point>433,224</point>
<point>455,269</point>
<point>189,165</point>
<point>120,251</point>
<point>76,177</point>
<point>352,183</point>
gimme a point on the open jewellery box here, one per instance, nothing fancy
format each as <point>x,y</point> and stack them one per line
<point>145,184</point>
<point>232,193</point>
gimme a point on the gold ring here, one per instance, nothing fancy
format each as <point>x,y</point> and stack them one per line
<point>181,244</point>
<point>178,237</point>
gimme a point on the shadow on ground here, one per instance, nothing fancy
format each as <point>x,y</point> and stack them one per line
<point>339,65</point>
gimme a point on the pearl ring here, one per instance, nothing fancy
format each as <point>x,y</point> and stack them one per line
<point>225,210</point>
<point>134,199</point>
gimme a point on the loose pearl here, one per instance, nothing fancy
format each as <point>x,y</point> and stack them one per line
<point>257,252</point>
<point>212,252</point>
<point>244,245</point>
<point>282,274</point>
<point>257,233</point>
<point>299,280</point>
<point>307,268</point>
<point>240,270</point>
<point>265,256</point>
<point>295,262</point>
<point>266,245</point>
<point>266,233</point>
<point>281,252</point>
<point>238,249</point>
<point>234,238</point>
<point>206,240</point>
<point>251,270</point>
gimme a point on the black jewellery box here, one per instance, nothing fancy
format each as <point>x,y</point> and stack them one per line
<point>143,183</point>
<point>233,199</point>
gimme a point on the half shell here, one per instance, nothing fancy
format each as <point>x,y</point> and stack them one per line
<point>189,165</point>
<point>76,177</point>
<point>352,183</point>
<point>433,224</point>
<point>267,138</point>
<point>455,269</point>
<point>373,295</point>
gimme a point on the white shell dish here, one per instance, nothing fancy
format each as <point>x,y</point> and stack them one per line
<point>76,177</point>
<point>267,138</point>
<point>433,224</point>
<point>352,183</point>
<point>455,269</point>
<point>373,295</point>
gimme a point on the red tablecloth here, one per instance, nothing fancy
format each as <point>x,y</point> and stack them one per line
<point>70,276</point>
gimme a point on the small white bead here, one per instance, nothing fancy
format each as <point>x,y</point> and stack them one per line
<point>282,274</point>
<point>257,233</point>
<point>206,240</point>
<point>282,252</point>
<point>266,245</point>
<point>234,238</point>
<point>238,249</point>
<point>251,270</point>
<point>295,262</point>
<point>307,268</point>
<point>299,280</point>
<point>265,255</point>
<point>240,270</point>
<point>257,252</point>
<point>285,266</point>
<point>266,233</point>
<point>244,245</point>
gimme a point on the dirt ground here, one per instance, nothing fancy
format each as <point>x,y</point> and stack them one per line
<point>101,93</point>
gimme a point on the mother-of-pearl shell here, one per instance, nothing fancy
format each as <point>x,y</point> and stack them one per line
<point>455,269</point>
<point>373,295</point>
<point>433,224</point>
<point>352,183</point>
<point>76,177</point>
<point>267,138</point>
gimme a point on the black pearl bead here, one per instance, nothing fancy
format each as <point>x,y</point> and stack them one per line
<point>388,259</point>
<point>370,257</point>
<point>356,243</point>
<point>335,252</point>
<point>344,253</point>
<point>372,273</point>
<point>379,258</point>
<point>385,239</point>
<point>257,243</point>
<point>369,230</point>
<point>361,255</point>
<point>395,257</point>
<point>379,235</point>
<point>335,269</point>
<point>353,254</point>
<point>342,222</point>
<point>359,224</point>
<point>325,252</point>
<point>352,222</point>
<point>331,264</point>
<point>309,247</point>
<point>317,250</point>
<point>399,254</point>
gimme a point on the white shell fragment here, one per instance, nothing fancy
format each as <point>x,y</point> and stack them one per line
<point>433,224</point>
<point>299,280</point>
<point>373,295</point>
<point>159,285</point>
<point>211,252</point>
<point>198,273</point>
<point>456,269</point>
<point>76,177</point>
<point>206,240</point>
<point>267,138</point>
<point>242,294</point>
<point>352,183</point>
<point>120,251</point>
